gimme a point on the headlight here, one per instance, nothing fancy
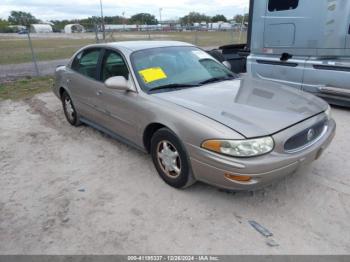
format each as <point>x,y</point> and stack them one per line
<point>328,112</point>
<point>240,148</point>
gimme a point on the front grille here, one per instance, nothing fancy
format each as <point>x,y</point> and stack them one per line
<point>305,137</point>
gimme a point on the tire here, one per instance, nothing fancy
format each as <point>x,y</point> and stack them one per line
<point>171,159</point>
<point>69,110</point>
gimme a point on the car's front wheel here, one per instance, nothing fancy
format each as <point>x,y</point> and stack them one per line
<point>69,110</point>
<point>170,159</point>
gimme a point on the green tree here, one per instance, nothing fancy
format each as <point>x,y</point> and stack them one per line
<point>218,18</point>
<point>115,20</point>
<point>22,18</point>
<point>59,25</point>
<point>3,22</point>
<point>143,18</point>
<point>90,22</point>
<point>4,26</point>
<point>194,17</point>
<point>238,18</point>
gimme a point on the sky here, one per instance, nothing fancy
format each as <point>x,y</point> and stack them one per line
<point>74,9</point>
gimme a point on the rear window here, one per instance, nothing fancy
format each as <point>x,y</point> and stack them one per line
<point>282,5</point>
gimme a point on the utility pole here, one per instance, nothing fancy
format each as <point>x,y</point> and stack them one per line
<point>103,22</point>
<point>95,23</point>
<point>123,14</point>
<point>160,17</point>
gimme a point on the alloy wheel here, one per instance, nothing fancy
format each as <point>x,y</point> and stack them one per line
<point>69,109</point>
<point>168,159</point>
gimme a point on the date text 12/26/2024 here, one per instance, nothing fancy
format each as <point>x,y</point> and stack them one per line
<point>174,258</point>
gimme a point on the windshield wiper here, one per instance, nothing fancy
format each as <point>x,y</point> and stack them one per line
<point>179,86</point>
<point>175,85</point>
<point>215,79</point>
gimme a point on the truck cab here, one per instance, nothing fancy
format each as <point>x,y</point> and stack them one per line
<point>304,44</point>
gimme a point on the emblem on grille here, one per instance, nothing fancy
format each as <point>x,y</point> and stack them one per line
<point>310,134</point>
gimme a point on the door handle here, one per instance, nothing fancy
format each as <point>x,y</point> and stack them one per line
<point>99,92</point>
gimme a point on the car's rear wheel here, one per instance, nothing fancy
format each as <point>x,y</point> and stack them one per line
<point>170,159</point>
<point>69,109</point>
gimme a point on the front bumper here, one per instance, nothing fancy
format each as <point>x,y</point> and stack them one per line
<point>211,167</point>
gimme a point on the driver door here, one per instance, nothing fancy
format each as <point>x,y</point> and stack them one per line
<point>119,107</point>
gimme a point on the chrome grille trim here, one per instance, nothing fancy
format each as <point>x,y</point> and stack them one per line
<point>324,131</point>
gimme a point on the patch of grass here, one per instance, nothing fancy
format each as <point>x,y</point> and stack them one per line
<point>25,88</point>
<point>15,51</point>
<point>200,38</point>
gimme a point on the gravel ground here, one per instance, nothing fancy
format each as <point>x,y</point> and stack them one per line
<point>14,71</point>
<point>67,190</point>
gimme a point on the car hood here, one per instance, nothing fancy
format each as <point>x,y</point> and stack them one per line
<point>249,106</point>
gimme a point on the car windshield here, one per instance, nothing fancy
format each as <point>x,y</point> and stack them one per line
<point>176,67</point>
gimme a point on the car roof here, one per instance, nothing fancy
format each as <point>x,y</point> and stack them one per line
<point>141,45</point>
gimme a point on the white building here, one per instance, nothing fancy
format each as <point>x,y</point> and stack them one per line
<point>40,28</point>
<point>220,26</point>
<point>225,26</point>
<point>109,27</point>
<point>74,28</point>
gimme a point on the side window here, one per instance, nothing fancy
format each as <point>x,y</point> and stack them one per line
<point>113,65</point>
<point>282,5</point>
<point>76,61</point>
<point>86,62</point>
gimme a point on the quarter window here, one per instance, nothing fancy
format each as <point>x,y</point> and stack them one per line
<point>282,5</point>
<point>86,63</point>
<point>113,65</point>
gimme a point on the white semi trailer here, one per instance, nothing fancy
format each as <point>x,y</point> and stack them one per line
<point>301,43</point>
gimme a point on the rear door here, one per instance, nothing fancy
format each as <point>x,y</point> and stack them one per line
<point>83,80</point>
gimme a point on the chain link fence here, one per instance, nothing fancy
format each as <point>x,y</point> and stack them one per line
<point>41,53</point>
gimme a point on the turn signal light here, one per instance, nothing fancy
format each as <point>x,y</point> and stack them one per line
<point>213,145</point>
<point>238,178</point>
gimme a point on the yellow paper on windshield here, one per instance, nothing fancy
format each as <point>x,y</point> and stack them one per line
<point>152,74</point>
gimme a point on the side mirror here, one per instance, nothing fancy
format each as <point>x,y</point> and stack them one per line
<point>227,64</point>
<point>117,82</point>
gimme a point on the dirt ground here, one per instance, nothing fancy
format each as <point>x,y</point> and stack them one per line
<point>67,190</point>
